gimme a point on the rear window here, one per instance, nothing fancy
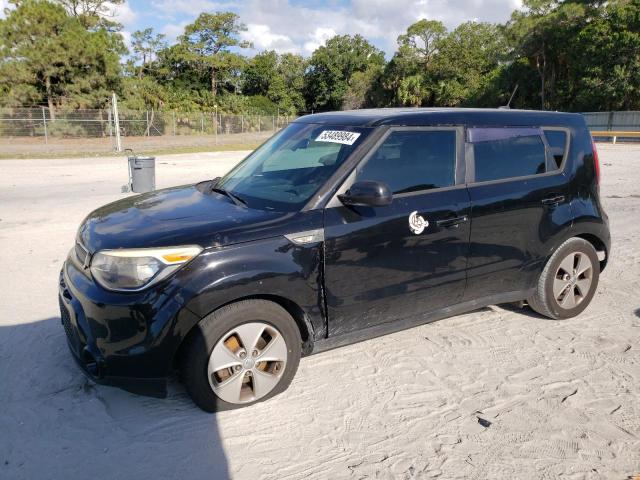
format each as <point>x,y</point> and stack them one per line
<point>557,141</point>
<point>501,153</point>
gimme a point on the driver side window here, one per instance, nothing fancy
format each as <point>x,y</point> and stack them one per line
<point>413,160</point>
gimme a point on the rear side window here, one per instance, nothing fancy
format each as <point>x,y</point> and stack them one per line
<point>410,161</point>
<point>557,141</point>
<point>501,153</point>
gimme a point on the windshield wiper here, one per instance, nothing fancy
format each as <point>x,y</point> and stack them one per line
<point>234,198</point>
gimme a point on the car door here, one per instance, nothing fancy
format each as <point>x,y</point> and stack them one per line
<point>377,267</point>
<point>520,200</point>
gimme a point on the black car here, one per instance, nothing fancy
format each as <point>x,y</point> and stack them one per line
<point>342,227</point>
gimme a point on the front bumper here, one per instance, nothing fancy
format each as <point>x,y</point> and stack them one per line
<point>122,339</point>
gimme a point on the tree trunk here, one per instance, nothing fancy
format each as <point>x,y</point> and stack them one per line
<point>214,84</point>
<point>542,99</point>
<point>144,60</point>
<point>552,87</point>
<point>47,86</point>
<point>541,72</point>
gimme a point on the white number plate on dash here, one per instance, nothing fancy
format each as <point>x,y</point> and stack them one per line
<point>338,136</point>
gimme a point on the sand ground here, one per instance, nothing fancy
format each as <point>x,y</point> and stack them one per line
<point>498,393</point>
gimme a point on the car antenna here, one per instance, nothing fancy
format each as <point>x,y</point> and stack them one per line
<point>508,105</point>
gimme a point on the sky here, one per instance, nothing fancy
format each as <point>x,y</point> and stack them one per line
<point>300,26</point>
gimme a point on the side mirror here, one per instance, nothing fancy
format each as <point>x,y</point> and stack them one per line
<point>367,194</point>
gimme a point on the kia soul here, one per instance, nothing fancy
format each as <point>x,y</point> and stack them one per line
<point>342,227</point>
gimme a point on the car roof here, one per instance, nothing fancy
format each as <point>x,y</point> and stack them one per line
<point>444,116</point>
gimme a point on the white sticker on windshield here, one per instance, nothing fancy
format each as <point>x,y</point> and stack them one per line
<point>338,136</point>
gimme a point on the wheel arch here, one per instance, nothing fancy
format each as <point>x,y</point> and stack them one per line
<point>599,245</point>
<point>300,317</point>
<point>596,233</point>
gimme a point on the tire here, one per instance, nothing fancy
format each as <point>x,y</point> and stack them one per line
<point>223,331</point>
<point>577,293</point>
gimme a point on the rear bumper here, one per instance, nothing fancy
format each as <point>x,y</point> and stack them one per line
<point>123,340</point>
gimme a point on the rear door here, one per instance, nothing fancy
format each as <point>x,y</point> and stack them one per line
<point>409,258</point>
<point>520,201</point>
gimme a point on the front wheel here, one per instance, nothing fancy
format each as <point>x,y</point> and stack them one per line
<point>568,282</point>
<point>241,354</point>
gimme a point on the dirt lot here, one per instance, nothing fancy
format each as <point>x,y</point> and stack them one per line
<point>498,393</point>
<point>36,147</point>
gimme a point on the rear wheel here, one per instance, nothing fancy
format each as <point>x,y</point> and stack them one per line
<point>568,282</point>
<point>241,354</point>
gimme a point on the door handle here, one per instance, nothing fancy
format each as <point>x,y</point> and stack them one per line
<point>451,222</point>
<point>553,200</point>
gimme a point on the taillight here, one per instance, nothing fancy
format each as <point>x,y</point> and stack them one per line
<point>596,162</point>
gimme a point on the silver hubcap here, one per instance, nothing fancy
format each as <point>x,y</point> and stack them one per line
<point>573,280</point>
<point>247,362</point>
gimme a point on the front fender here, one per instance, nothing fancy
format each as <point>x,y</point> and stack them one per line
<point>271,268</point>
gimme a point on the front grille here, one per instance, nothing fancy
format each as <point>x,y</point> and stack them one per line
<point>66,323</point>
<point>81,254</point>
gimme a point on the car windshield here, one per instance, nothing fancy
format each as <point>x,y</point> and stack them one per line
<point>285,172</point>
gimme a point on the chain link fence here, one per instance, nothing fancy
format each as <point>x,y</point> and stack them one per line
<point>41,122</point>
<point>40,130</point>
<point>16,123</point>
<point>28,131</point>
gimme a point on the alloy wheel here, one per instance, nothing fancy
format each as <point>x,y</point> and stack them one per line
<point>573,280</point>
<point>247,362</point>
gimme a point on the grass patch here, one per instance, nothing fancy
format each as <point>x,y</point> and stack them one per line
<point>231,147</point>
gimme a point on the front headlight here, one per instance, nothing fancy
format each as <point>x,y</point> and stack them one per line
<point>135,269</point>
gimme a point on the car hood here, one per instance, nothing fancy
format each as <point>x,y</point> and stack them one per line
<point>185,215</point>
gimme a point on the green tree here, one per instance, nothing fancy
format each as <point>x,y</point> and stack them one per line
<point>411,91</point>
<point>331,67</point>
<point>93,13</point>
<point>532,32</point>
<point>172,67</point>
<point>145,46</point>
<point>408,76</point>
<point>543,35</point>
<point>280,78</point>
<point>575,54</point>
<point>364,89</point>
<point>561,54</point>
<point>206,43</point>
<point>609,61</point>
<point>47,56</point>
<point>463,68</point>
<point>143,94</point>
<point>292,68</point>
<point>421,42</point>
<point>260,73</point>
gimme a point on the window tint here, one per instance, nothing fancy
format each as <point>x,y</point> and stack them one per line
<point>557,140</point>
<point>410,161</point>
<point>507,156</point>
